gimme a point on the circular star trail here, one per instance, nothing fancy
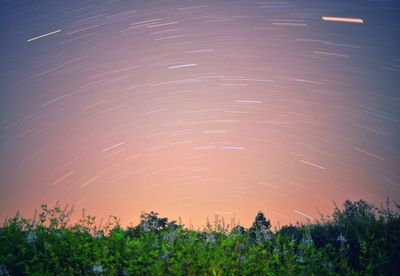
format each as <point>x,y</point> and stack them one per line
<point>199,108</point>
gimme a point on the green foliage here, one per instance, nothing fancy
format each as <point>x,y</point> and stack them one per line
<point>359,239</point>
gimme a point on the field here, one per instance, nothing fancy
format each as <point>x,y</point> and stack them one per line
<point>357,239</point>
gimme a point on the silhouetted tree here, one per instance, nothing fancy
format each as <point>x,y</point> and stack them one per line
<point>260,230</point>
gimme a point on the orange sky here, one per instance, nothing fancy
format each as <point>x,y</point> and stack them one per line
<point>198,109</point>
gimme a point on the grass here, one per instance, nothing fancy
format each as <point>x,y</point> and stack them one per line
<point>357,239</point>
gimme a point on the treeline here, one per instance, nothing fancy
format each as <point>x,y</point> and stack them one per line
<point>357,239</point>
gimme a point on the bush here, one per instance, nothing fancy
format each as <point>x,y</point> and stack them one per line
<point>359,239</point>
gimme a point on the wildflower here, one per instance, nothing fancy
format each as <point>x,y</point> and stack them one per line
<point>341,238</point>
<point>300,259</point>
<point>98,268</point>
<point>242,246</point>
<point>59,234</point>
<point>170,238</point>
<point>3,270</point>
<point>31,237</point>
<point>98,234</point>
<point>146,229</point>
<point>307,240</point>
<point>165,256</point>
<point>327,264</point>
<point>149,225</point>
<point>264,233</point>
<point>210,238</point>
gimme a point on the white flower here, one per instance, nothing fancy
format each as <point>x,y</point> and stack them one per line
<point>210,238</point>
<point>146,229</point>
<point>242,259</point>
<point>98,268</point>
<point>165,256</point>
<point>307,240</point>
<point>98,235</point>
<point>170,238</point>
<point>300,259</point>
<point>341,238</point>
<point>265,234</point>
<point>3,270</point>
<point>327,264</point>
<point>59,234</point>
<point>31,237</point>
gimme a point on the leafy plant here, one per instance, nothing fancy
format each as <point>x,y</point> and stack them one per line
<point>358,239</point>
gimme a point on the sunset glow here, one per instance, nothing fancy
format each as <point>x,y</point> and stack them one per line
<point>199,108</point>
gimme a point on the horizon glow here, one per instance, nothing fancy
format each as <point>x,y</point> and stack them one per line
<point>199,108</point>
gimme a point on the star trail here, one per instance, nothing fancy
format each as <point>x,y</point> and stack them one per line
<point>199,108</point>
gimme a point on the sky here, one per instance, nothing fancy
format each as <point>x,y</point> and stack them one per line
<point>199,108</point>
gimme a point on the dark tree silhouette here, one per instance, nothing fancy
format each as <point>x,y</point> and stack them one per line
<point>260,230</point>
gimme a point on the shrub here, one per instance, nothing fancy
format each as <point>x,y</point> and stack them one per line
<point>359,239</point>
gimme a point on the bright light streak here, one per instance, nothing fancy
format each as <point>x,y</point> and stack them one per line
<point>300,213</point>
<point>312,164</point>
<point>233,148</point>
<point>343,19</point>
<point>43,35</point>
<point>62,178</point>
<point>90,181</point>
<point>182,66</point>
